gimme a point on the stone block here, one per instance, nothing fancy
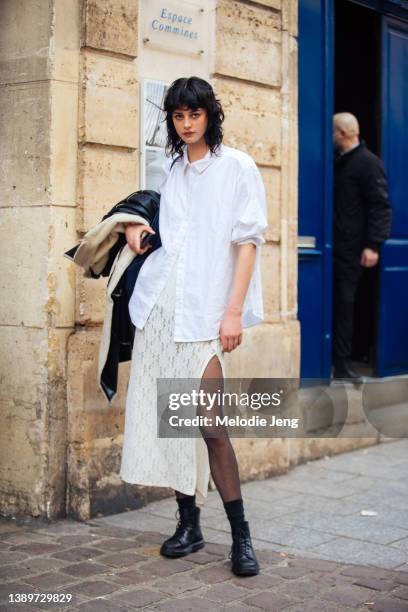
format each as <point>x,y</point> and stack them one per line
<point>23,367</point>
<point>82,352</point>
<point>271,178</point>
<point>63,143</point>
<point>21,472</point>
<point>34,410</point>
<point>270,273</point>
<point>44,293</point>
<point>25,144</point>
<point>90,299</point>
<point>248,42</point>
<point>82,373</point>
<point>289,136</point>
<point>61,273</point>
<point>279,345</point>
<point>24,299</point>
<point>273,4</point>
<point>65,41</point>
<point>24,49</point>
<point>109,101</point>
<point>261,457</point>
<point>55,426</point>
<point>111,25</point>
<point>252,119</point>
<point>292,270</point>
<point>290,16</point>
<point>105,177</point>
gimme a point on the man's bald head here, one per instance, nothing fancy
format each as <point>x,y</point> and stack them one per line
<point>345,131</point>
<point>347,123</point>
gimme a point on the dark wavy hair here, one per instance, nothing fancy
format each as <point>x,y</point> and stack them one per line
<point>193,93</point>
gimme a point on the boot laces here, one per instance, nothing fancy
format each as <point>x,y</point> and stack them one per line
<point>182,522</point>
<point>242,541</point>
<point>179,525</point>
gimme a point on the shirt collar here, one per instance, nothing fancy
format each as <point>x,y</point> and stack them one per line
<point>200,164</point>
<point>350,149</point>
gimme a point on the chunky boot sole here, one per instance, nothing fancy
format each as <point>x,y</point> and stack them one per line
<point>246,572</point>
<point>189,549</point>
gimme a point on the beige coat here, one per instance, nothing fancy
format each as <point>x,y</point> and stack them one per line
<point>92,255</point>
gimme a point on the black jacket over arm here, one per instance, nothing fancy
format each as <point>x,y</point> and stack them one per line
<point>362,211</point>
<point>146,204</point>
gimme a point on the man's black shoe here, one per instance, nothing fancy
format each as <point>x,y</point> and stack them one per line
<point>187,538</point>
<point>343,369</point>
<point>242,555</point>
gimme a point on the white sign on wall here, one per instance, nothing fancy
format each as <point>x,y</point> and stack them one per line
<point>175,26</point>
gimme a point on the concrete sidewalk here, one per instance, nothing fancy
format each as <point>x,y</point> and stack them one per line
<point>331,535</point>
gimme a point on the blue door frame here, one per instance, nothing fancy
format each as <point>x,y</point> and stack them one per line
<point>316,55</point>
<point>392,336</point>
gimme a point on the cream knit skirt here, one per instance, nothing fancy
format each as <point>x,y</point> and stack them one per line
<point>179,463</point>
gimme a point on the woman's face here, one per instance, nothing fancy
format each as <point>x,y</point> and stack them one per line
<point>190,125</point>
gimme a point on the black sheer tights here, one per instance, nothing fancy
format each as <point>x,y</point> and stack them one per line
<point>221,454</point>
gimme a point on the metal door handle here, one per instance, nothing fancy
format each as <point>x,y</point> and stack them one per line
<point>306,242</point>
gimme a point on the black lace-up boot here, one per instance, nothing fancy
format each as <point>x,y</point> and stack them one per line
<point>188,537</point>
<point>242,555</point>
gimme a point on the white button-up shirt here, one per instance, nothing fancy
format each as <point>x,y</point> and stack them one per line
<point>207,208</point>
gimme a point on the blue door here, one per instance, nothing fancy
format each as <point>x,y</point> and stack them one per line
<point>392,338</point>
<point>315,185</point>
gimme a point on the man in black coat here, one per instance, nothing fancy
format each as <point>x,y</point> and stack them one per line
<point>362,221</point>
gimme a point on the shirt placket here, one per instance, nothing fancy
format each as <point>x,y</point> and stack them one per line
<point>181,252</point>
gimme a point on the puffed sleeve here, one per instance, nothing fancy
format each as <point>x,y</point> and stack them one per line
<point>249,213</point>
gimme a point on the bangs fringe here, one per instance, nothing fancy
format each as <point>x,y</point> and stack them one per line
<point>193,93</point>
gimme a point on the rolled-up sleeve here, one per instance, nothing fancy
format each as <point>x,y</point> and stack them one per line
<point>249,212</point>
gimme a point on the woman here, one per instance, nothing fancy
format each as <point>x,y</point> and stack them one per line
<point>192,298</point>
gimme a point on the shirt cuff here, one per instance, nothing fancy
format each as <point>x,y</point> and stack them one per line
<point>255,240</point>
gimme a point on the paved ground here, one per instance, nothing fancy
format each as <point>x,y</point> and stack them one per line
<point>331,535</point>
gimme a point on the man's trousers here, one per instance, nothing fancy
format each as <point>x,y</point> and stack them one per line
<point>345,283</point>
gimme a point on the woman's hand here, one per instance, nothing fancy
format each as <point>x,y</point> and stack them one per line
<point>231,331</point>
<point>133,232</point>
